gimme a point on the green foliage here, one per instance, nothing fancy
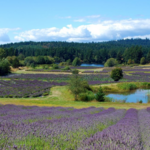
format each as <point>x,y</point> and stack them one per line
<point>45,67</point>
<point>66,68</point>
<point>45,94</point>
<point>116,74</point>
<point>87,97</point>
<point>29,60</point>
<point>4,67</point>
<point>134,53</point>
<point>15,63</point>
<point>33,65</point>
<point>68,62</point>
<point>75,71</point>
<point>100,95</point>
<point>143,61</point>
<point>111,62</point>
<point>55,66</point>
<point>76,62</point>
<point>130,61</point>
<point>21,57</point>
<point>75,85</point>
<point>127,86</point>
<point>2,53</point>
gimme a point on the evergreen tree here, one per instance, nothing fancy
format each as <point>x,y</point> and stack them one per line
<point>15,63</point>
<point>76,62</point>
<point>100,95</point>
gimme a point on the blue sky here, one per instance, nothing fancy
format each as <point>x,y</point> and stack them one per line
<point>78,21</point>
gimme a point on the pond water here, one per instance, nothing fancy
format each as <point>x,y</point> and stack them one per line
<point>92,65</point>
<point>132,97</point>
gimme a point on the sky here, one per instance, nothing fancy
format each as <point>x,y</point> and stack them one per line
<point>73,21</point>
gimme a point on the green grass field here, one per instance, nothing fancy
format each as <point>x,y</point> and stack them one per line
<point>61,96</point>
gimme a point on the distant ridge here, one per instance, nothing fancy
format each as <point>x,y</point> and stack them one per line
<point>95,45</point>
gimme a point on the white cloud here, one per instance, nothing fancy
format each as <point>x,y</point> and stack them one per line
<point>79,20</point>
<point>93,16</point>
<point>103,31</point>
<point>4,37</point>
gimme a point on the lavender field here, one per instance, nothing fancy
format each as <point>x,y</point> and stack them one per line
<point>25,88</point>
<point>60,128</point>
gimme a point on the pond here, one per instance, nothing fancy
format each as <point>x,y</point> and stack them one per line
<point>132,97</point>
<point>92,65</point>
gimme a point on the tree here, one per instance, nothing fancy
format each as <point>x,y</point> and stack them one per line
<point>143,61</point>
<point>76,85</point>
<point>119,57</point>
<point>116,74</point>
<point>2,53</point>
<point>4,67</point>
<point>21,57</point>
<point>111,62</point>
<point>100,95</point>
<point>15,63</point>
<point>76,62</point>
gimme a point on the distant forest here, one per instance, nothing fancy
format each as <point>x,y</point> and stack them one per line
<point>122,50</point>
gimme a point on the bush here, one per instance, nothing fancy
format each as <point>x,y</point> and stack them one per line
<point>111,62</point>
<point>116,74</point>
<point>4,67</point>
<point>143,61</point>
<point>75,71</point>
<point>83,97</point>
<point>45,94</point>
<point>55,66</point>
<point>100,95</point>
<point>86,97</point>
<point>66,68</point>
<point>127,86</point>
<point>90,96</point>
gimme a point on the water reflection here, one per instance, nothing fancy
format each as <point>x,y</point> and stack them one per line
<point>132,97</point>
<point>92,65</point>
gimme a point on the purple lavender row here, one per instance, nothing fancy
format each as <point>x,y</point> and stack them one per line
<point>56,132</point>
<point>144,121</point>
<point>124,135</point>
<point>18,114</point>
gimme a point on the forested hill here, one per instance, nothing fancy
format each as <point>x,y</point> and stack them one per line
<point>92,45</point>
<point>87,52</point>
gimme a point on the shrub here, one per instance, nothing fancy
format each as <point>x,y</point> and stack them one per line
<point>66,68</point>
<point>100,95</point>
<point>45,94</point>
<point>143,61</point>
<point>111,62</point>
<point>86,97</point>
<point>75,71</point>
<point>4,67</point>
<point>116,74</point>
<point>83,97</point>
<point>90,96</point>
<point>55,66</point>
<point>127,86</point>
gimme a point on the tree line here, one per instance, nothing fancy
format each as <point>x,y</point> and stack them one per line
<point>122,50</point>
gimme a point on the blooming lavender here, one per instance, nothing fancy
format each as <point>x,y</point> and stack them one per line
<point>51,128</point>
<point>125,135</point>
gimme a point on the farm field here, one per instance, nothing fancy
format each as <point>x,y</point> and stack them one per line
<point>42,128</point>
<point>50,89</point>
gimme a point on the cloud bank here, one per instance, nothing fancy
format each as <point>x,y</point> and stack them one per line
<point>4,34</point>
<point>102,31</point>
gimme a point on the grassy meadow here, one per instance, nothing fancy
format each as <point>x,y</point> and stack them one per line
<point>61,96</point>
